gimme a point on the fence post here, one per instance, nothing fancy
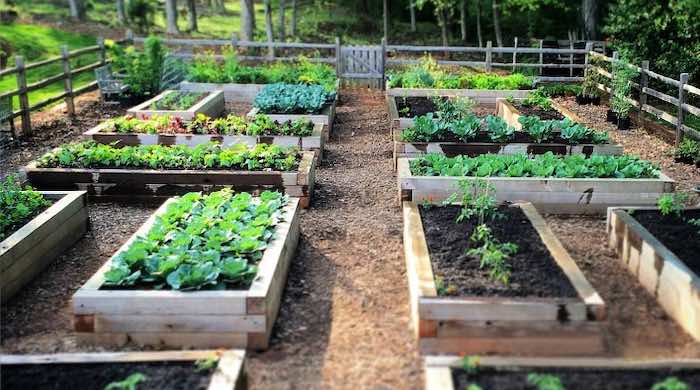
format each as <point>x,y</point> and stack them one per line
<point>571,58</point>
<point>643,83</point>
<point>489,54</point>
<point>515,52</point>
<point>541,55</point>
<point>383,64</point>
<point>234,41</point>
<point>681,101</point>
<point>338,60</point>
<point>67,81</point>
<point>22,95</point>
<point>103,50</point>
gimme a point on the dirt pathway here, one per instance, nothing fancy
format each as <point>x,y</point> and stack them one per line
<point>344,319</point>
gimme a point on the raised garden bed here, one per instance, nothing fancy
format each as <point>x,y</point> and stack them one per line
<point>448,373</point>
<point>418,105</point>
<point>211,104</point>
<point>511,114</point>
<point>137,183</point>
<point>233,93</point>
<point>237,316</point>
<point>662,252</point>
<point>212,370</point>
<point>531,315</point>
<point>549,194</point>
<point>325,117</point>
<point>25,253</point>
<point>104,133</point>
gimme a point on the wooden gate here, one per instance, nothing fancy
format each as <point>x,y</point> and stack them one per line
<point>363,65</point>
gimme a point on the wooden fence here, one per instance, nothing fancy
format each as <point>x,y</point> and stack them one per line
<point>643,88</point>
<point>67,76</point>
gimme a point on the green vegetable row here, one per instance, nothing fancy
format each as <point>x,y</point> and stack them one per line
<point>545,165</point>
<point>202,124</point>
<point>428,74</point>
<point>205,156</point>
<point>18,205</point>
<point>202,241</point>
<point>292,99</point>
<point>205,69</point>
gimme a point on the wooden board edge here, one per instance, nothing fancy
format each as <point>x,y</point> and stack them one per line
<point>230,373</point>
<point>107,357</point>
<point>438,378</point>
<point>572,362</point>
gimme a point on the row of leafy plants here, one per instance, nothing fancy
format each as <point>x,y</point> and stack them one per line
<point>18,205</point>
<point>283,98</point>
<point>231,124</point>
<point>428,74</point>
<point>177,101</point>
<point>688,152</point>
<point>202,241</point>
<point>206,69</point>
<point>210,155</point>
<point>545,166</point>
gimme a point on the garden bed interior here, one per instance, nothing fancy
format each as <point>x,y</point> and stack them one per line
<point>95,371</point>
<point>510,112</point>
<point>662,253</point>
<point>212,104</point>
<point>531,315</point>
<point>231,318</point>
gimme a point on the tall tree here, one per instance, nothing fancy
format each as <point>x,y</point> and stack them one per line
<point>268,25</point>
<point>282,21</point>
<point>478,23</point>
<point>443,11</point>
<point>77,9</point>
<point>385,7</point>
<point>589,11</point>
<point>247,20</point>
<point>412,10</point>
<point>121,12</point>
<point>171,17</point>
<point>463,19</point>
<point>293,25</point>
<point>497,23</point>
<point>192,15</point>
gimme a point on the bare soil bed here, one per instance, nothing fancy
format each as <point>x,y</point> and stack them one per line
<point>539,112</point>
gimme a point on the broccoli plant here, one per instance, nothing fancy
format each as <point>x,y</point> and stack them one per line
<point>498,129</point>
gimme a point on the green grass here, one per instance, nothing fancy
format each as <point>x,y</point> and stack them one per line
<point>37,43</point>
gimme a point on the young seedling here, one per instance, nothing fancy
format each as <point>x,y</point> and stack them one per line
<point>545,382</point>
<point>672,204</point>
<point>129,383</point>
<point>206,364</point>
<point>493,254</point>
<point>671,383</point>
<point>477,200</point>
<point>470,364</point>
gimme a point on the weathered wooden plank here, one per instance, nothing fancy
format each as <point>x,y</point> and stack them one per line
<point>211,105</point>
<point>480,96</point>
<point>147,323</point>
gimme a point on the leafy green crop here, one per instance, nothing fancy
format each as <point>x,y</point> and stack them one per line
<point>573,133</point>
<point>688,149</point>
<point>544,165</point>
<point>18,205</point>
<point>545,382</point>
<point>493,254</point>
<point>538,98</point>
<point>201,241</point>
<point>202,124</point>
<point>177,100</point>
<point>292,99</point>
<point>205,69</point>
<point>498,129</point>
<point>130,383</point>
<point>671,383</point>
<point>205,156</point>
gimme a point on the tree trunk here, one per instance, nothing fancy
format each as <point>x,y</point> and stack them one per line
<point>463,19</point>
<point>77,9</point>
<point>268,26</point>
<point>121,12</point>
<point>282,33</point>
<point>293,25</point>
<point>171,17</point>
<point>247,20</point>
<point>497,23</point>
<point>412,9</point>
<point>192,14</point>
<point>385,7</point>
<point>442,21</point>
<point>219,6</point>
<point>589,9</point>
<point>478,23</point>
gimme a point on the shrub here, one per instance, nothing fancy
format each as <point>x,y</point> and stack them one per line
<point>292,99</point>
<point>142,69</point>
<point>623,75</point>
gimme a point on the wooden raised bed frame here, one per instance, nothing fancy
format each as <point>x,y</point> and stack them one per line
<point>25,253</point>
<point>485,325</point>
<point>196,319</point>
<point>326,117</point>
<point>230,372</point>
<point>662,273</point>
<point>550,195</point>
<point>438,369</point>
<point>211,105</point>
<point>511,114</point>
<point>233,93</point>
<point>481,96</point>
<point>122,184</point>
<point>315,142</point>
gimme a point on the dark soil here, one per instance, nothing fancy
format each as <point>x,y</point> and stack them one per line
<point>421,105</point>
<point>539,112</point>
<point>518,137</point>
<point>534,271</point>
<point>574,379</point>
<point>95,376</point>
<point>682,238</point>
